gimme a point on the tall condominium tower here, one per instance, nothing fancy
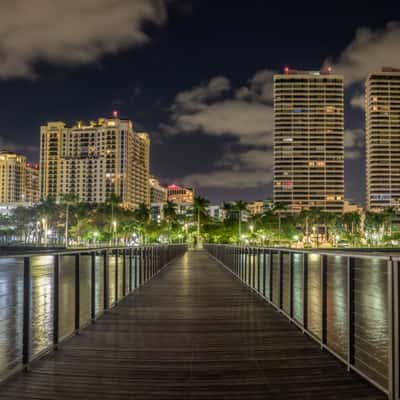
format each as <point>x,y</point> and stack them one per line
<point>309,140</point>
<point>383,139</point>
<point>95,161</point>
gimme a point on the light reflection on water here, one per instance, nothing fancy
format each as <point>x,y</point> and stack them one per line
<point>42,303</point>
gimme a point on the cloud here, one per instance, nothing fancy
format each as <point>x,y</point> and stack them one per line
<point>196,99</point>
<point>248,169</point>
<point>211,108</point>
<point>216,108</point>
<point>259,88</point>
<point>70,32</point>
<point>229,179</point>
<point>358,101</point>
<point>7,145</point>
<point>353,143</point>
<point>251,123</point>
<point>368,51</point>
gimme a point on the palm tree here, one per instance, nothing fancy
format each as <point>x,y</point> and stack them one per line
<point>46,210</point>
<point>113,201</point>
<point>68,199</point>
<point>200,205</point>
<point>170,213</point>
<point>278,208</point>
<point>142,216</point>
<point>389,213</point>
<point>239,207</point>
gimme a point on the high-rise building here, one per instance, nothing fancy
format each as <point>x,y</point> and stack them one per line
<point>383,139</point>
<point>95,161</point>
<point>158,193</point>
<point>12,178</point>
<point>180,195</point>
<point>309,140</point>
<point>32,187</point>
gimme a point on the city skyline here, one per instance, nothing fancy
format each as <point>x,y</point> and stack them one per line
<point>203,93</point>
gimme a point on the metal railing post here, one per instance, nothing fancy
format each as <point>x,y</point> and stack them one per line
<point>350,312</point>
<point>392,367</point>
<point>291,267</point>
<point>26,325</point>
<point>280,280</point>
<point>270,274</point>
<point>77,293</point>
<point>396,330</point>
<point>305,291</point>
<point>123,272</point>
<point>264,271</point>
<point>324,267</point>
<point>106,281</point>
<point>93,286</point>
<point>130,269</point>
<point>56,309</point>
<point>116,275</point>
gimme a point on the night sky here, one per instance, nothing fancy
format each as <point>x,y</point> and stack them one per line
<point>196,75</point>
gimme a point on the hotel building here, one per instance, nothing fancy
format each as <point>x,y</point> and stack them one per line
<point>95,161</point>
<point>309,140</point>
<point>382,106</point>
<point>180,195</point>
<point>158,193</point>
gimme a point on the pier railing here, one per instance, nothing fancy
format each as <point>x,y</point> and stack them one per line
<point>346,301</point>
<point>46,298</point>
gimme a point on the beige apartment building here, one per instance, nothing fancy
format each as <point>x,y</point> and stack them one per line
<point>95,160</point>
<point>12,178</point>
<point>309,140</point>
<point>383,139</point>
<point>32,187</point>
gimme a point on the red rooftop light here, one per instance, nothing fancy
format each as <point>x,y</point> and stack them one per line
<point>115,114</point>
<point>286,69</point>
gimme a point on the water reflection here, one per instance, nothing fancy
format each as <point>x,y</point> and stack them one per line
<point>11,302</point>
<point>42,303</point>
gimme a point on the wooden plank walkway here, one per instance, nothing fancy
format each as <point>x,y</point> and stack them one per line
<point>193,332</point>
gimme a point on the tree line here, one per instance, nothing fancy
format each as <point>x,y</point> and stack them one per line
<point>70,221</point>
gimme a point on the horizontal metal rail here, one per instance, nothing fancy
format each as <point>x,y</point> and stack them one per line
<point>56,295</point>
<point>348,302</point>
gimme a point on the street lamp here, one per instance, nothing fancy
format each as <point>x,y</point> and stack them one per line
<point>95,234</point>
<point>114,224</point>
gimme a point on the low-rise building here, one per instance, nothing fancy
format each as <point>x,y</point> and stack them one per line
<point>180,194</point>
<point>157,212</point>
<point>158,193</point>
<point>217,212</point>
<point>349,207</point>
<point>256,207</point>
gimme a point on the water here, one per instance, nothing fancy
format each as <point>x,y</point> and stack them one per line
<point>43,301</point>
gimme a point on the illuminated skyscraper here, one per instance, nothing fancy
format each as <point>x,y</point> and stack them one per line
<point>95,160</point>
<point>383,139</point>
<point>309,140</point>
